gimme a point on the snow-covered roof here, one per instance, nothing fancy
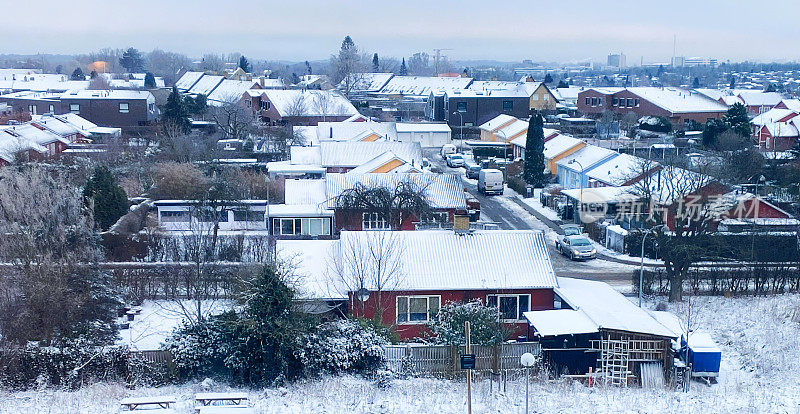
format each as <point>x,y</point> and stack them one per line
<point>497,89</point>
<point>305,155</point>
<point>558,144</point>
<point>33,134</point>
<point>485,260</point>
<point>586,158</point>
<point>512,130</point>
<point>304,192</point>
<point>188,80</point>
<point>303,102</point>
<point>352,131</point>
<point>793,104</point>
<point>56,125</point>
<point>568,94</point>
<point>381,160</point>
<point>230,90</point>
<point>496,122</point>
<point>11,144</point>
<point>205,85</point>
<point>444,191</point>
<point>783,129</point>
<point>677,100</point>
<point>618,170</point>
<point>368,82</point>
<point>108,94</point>
<point>560,322</point>
<point>773,115</point>
<point>715,94</point>
<point>602,194</point>
<point>758,98</point>
<point>286,167</point>
<point>606,308</point>
<point>39,82</point>
<point>422,127</point>
<point>423,86</point>
<point>355,153</point>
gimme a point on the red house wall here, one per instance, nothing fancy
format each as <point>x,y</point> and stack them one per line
<point>353,221</point>
<point>541,299</point>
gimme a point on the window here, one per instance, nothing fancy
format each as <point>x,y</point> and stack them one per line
<point>52,109</point>
<point>636,103</point>
<point>599,101</point>
<point>264,105</point>
<point>208,216</point>
<point>32,109</point>
<point>614,102</point>
<point>535,97</point>
<point>75,108</point>
<point>469,124</point>
<point>630,103</point>
<point>151,107</point>
<point>248,215</point>
<point>461,106</point>
<point>437,217</point>
<point>316,226</point>
<point>181,216</point>
<point>594,101</point>
<point>508,105</point>
<point>123,108</point>
<point>587,101</point>
<point>509,307</point>
<point>547,98</point>
<point>374,221</point>
<point>416,309</point>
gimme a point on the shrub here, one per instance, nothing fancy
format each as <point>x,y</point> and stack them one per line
<point>655,124</point>
<point>518,184</point>
<point>343,346</point>
<point>485,329</point>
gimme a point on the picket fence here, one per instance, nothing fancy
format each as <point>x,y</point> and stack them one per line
<point>444,360</point>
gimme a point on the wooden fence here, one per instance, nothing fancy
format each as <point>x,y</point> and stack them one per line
<point>157,356</point>
<point>443,360</point>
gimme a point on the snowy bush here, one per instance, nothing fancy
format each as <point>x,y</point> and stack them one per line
<point>61,367</point>
<point>447,326</point>
<point>655,124</point>
<point>201,349</point>
<point>341,347</point>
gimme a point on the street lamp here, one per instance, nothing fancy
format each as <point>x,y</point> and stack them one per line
<point>460,130</point>
<point>580,178</point>
<point>527,360</point>
<point>641,267</point>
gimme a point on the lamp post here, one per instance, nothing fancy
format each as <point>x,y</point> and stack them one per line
<point>641,269</point>
<point>580,207</point>
<point>460,130</point>
<point>527,360</point>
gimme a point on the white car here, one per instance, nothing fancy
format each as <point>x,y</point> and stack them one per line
<point>491,181</point>
<point>455,160</point>
<point>447,149</point>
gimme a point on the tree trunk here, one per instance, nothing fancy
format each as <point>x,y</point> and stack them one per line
<point>675,286</point>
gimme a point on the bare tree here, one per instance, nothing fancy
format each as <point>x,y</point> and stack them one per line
<point>233,118</point>
<point>390,204</point>
<point>326,104</point>
<point>347,67</point>
<point>367,261</point>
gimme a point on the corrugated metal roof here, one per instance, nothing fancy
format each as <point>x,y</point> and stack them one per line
<point>445,260</point>
<point>303,191</point>
<point>444,191</point>
<point>353,154</point>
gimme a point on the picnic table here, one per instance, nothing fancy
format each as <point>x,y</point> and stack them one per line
<point>224,400</point>
<point>149,403</point>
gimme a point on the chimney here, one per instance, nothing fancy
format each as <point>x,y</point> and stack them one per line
<point>461,223</point>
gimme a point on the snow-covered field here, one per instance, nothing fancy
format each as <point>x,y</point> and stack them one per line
<point>761,361</point>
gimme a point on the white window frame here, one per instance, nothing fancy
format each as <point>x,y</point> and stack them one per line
<point>373,221</point>
<point>127,108</point>
<point>75,108</point>
<point>32,109</point>
<point>52,109</point>
<point>407,298</point>
<point>507,295</point>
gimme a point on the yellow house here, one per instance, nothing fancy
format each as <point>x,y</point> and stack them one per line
<point>489,128</point>
<point>559,147</point>
<point>542,99</point>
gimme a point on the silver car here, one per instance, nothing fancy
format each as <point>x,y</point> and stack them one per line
<point>577,248</point>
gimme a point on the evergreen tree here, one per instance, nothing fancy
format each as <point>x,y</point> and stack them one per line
<point>696,82</point>
<point>660,70</point>
<point>548,78</point>
<point>59,69</point>
<point>375,63</point>
<point>175,111</point>
<point>733,83</point>
<point>534,152</point>
<point>92,74</point>
<point>245,65</point>
<point>132,60</point>
<point>737,119</point>
<point>711,130</point>
<point>308,69</point>
<point>110,200</point>
<point>77,74</point>
<point>562,84</point>
<point>770,87</point>
<point>149,80</point>
<point>403,68</point>
<point>196,105</point>
<point>295,79</point>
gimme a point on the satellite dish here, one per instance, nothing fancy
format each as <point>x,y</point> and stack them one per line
<point>527,359</point>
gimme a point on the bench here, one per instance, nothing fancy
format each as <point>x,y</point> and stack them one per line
<point>160,404</point>
<point>227,401</point>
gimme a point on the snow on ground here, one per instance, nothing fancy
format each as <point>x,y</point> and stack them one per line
<point>158,318</point>
<point>535,204</point>
<point>761,359</point>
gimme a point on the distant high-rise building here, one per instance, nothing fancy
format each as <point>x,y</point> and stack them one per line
<point>678,61</point>
<point>616,60</point>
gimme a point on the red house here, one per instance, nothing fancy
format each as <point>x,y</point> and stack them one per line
<point>403,278</point>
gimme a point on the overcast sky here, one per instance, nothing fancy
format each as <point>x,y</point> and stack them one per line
<point>500,30</point>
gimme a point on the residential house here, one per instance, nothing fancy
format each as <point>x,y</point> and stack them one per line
<point>777,129</point>
<point>297,106</point>
<point>485,100</point>
<point>427,134</point>
<point>758,102</point>
<point>571,169</point>
<point>558,147</point>
<point>618,171</point>
<point>443,192</point>
<point>341,157</point>
<point>239,217</point>
<point>304,213</point>
<point>415,97</point>
<point>681,107</point>
<point>509,271</point>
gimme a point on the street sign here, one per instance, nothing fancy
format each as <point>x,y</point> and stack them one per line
<point>468,361</point>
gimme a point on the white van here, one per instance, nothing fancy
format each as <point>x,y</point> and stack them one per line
<point>447,149</point>
<point>490,181</point>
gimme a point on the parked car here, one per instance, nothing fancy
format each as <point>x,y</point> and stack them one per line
<point>569,230</point>
<point>473,170</point>
<point>490,181</point>
<point>473,207</point>
<point>455,161</point>
<point>577,247</point>
<point>447,149</point>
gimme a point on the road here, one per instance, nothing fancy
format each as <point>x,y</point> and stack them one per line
<point>510,216</point>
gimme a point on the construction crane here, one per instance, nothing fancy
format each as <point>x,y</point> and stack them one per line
<point>436,57</point>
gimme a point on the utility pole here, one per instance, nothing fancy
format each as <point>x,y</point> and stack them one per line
<point>469,371</point>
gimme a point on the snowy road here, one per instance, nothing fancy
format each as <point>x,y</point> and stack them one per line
<point>510,216</point>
